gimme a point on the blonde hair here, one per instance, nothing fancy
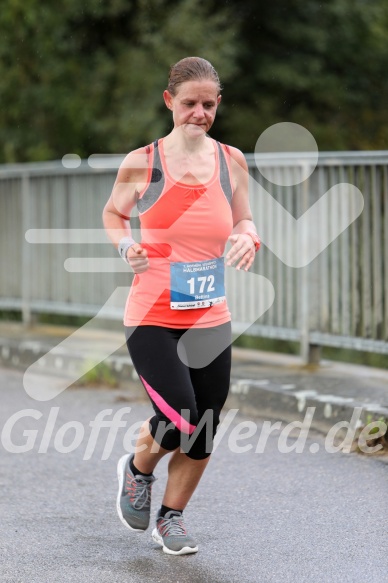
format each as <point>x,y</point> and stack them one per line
<point>191,69</point>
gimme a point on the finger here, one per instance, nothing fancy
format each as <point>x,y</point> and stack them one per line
<point>232,259</point>
<point>137,248</point>
<point>139,258</point>
<point>238,253</point>
<point>250,263</point>
<point>246,261</point>
<point>139,268</point>
<point>231,256</point>
<point>245,264</point>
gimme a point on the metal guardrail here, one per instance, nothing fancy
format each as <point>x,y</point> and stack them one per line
<point>338,299</point>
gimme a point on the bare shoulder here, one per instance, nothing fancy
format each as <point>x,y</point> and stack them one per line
<point>131,178</point>
<point>238,167</point>
<point>237,159</point>
<point>134,167</point>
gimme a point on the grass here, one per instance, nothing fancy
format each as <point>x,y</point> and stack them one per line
<point>10,316</point>
<point>355,357</point>
<point>268,344</point>
<point>327,352</point>
<point>62,320</point>
<point>100,374</point>
<point>381,441</point>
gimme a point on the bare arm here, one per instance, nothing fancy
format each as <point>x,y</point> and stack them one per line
<point>131,177</point>
<point>243,248</point>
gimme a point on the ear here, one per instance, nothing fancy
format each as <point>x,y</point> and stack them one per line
<point>167,99</point>
<point>219,99</point>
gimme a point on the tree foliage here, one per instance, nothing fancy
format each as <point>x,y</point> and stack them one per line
<point>88,77</point>
<point>320,64</point>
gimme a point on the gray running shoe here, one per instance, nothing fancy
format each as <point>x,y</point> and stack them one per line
<point>134,496</point>
<point>171,534</point>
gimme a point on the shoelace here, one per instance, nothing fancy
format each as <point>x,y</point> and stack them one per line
<point>172,526</point>
<point>139,490</point>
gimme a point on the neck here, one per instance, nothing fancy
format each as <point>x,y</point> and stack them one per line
<point>184,143</point>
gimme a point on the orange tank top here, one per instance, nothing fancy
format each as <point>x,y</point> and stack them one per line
<point>180,223</point>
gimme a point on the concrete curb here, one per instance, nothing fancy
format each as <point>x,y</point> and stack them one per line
<point>21,355</point>
<point>288,403</point>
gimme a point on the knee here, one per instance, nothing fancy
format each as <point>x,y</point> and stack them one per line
<point>165,433</point>
<point>199,445</point>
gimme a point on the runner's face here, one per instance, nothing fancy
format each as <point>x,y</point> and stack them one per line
<point>194,106</point>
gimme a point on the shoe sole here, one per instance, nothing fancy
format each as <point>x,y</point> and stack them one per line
<point>120,475</point>
<point>159,540</point>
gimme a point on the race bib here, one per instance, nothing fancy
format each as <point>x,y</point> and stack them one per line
<point>197,285</point>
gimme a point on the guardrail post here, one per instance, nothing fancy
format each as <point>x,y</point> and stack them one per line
<point>309,276</point>
<point>303,236</point>
<point>26,252</point>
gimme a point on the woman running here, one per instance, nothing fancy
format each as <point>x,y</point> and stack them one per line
<point>191,194</point>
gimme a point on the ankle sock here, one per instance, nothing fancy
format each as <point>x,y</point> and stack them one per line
<point>164,509</point>
<point>134,469</point>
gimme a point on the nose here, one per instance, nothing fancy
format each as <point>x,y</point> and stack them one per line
<point>199,110</point>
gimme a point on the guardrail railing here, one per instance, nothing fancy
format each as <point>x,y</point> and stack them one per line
<point>55,257</point>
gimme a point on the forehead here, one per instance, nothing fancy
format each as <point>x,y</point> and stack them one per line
<point>197,90</point>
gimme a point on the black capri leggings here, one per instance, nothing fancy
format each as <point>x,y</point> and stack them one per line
<point>186,374</point>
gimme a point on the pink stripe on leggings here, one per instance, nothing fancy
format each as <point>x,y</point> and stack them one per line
<point>168,411</point>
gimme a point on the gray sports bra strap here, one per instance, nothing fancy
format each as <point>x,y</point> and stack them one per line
<point>156,185</point>
<point>224,175</point>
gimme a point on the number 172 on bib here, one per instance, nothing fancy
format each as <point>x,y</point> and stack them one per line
<point>197,285</point>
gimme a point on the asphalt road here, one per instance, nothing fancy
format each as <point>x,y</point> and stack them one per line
<point>258,517</point>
